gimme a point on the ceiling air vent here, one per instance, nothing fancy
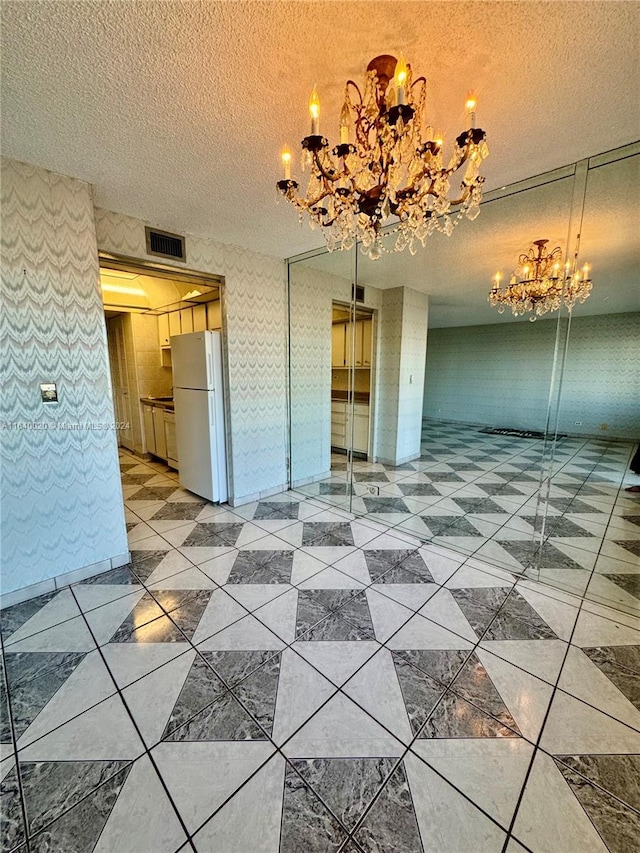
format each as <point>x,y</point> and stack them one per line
<point>357,293</point>
<point>165,244</point>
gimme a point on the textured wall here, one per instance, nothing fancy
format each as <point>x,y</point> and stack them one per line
<point>255,305</point>
<point>601,383</point>
<point>500,375</point>
<point>61,495</point>
<point>400,386</point>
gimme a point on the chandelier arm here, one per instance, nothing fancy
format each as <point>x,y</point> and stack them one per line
<point>357,88</point>
<point>320,169</point>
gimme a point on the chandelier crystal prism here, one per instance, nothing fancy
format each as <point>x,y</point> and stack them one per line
<point>388,164</point>
<point>540,283</point>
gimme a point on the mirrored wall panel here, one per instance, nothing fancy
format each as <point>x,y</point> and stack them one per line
<point>591,526</point>
<point>478,413</point>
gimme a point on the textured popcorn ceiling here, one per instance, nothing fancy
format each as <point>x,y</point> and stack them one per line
<point>176,111</point>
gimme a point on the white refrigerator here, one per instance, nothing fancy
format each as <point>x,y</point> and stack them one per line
<point>198,396</point>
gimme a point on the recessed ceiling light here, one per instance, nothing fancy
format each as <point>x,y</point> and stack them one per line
<point>129,276</point>
<point>129,291</point>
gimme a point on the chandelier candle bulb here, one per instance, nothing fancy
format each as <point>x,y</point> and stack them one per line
<point>471,105</point>
<point>286,162</point>
<point>585,272</point>
<point>314,110</point>
<point>401,81</point>
<point>345,121</point>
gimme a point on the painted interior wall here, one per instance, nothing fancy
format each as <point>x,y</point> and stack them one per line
<point>61,494</point>
<point>254,305</point>
<point>500,375</point>
<point>403,342</point>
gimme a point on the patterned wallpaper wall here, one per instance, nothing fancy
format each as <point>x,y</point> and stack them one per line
<point>500,375</point>
<point>311,294</point>
<point>255,306</point>
<point>61,495</point>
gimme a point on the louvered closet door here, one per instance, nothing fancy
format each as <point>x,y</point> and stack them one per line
<point>119,379</point>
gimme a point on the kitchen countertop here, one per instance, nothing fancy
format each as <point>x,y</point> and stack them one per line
<point>343,396</point>
<point>162,404</point>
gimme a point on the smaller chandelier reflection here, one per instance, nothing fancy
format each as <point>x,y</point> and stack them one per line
<point>540,283</point>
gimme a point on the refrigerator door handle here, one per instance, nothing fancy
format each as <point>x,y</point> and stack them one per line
<point>212,375</point>
<point>212,411</point>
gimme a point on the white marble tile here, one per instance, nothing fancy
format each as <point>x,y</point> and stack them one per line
<point>448,822</point>
<point>550,817</point>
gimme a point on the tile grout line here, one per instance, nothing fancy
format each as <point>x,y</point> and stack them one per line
<point>138,732</point>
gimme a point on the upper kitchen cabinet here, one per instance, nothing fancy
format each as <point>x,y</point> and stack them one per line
<point>343,351</point>
<point>163,330</point>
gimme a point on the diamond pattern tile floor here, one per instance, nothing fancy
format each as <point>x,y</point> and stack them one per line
<point>315,681</point>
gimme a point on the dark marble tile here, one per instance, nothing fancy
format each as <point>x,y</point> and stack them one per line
<point>258,692</point>
<point>122,576</point>
<point>473,684</point>
<point>153,493</point>
<point>557,526</point>
<point>618,774</point>
<point>480,605</point>
<point>618,825</point>
<point>177,511</point>
<point>385,504</point>
<point>200,689</point>
<point>12,831</point>
<point>78,829</point>
<point>33,679</point>
<point>478,505</point>
<point>277,510</point>
<point>573,505</point>
<point>146,610</point>
<point>631,519</point>
<point>370,477</point>
<point>161,630</point>
<point>338,466</point>
<point>528,554</point>
<point>406,466</point>
<point>454,717</point>
<point>441,664</point>
<point>630,545</point>
<point>464,466</point>
<point>326,533</point>
<point>405,562</point>
<point>12,618</point>
<point>401,574</point>
<point>307,824</point>
<point>522,478</point>
<point>126,466</point>
<point>144,563</point>
<point>335,627</point>
<point>391,823</point>
<point>185,606</point>
<point>234,666</point>
<point>137,479</point>
<point>211,535</point>
<point>517,620</point>
<point>418,490</point>
<point>224,719</point>
<point>420,692</point>
<point>346,785</point>
<point>262,567</point>
<point>450,525</point>
<point>336,489</point>
<point>443,477</point>
<point>130,525</point>
<point>499,489</point>
<point>621,665</point>
<point>53,787</point>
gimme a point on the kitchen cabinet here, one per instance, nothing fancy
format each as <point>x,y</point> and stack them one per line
<point>341,425</point>
<point>338,345</point>
<point>160,433</point>
<point>174,323</point>
<point>170,438</point>
<point>214,320</point>
<point>163,330</point>
<point>149,431</point>
<point>186,321</point>
<point>343,352</point>
<point>158,430</point>
<point>199,318</point>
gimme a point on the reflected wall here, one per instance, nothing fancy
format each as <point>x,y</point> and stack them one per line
<point>446,367</point>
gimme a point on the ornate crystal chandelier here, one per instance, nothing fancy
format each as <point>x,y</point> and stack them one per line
<point>540,283</point>
<point>388,164</point>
